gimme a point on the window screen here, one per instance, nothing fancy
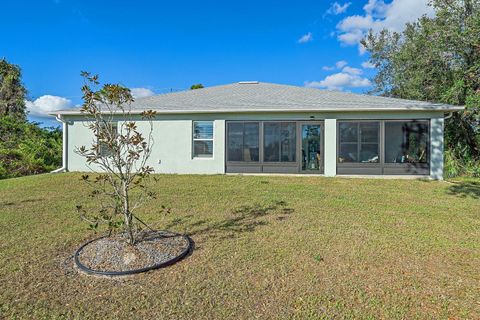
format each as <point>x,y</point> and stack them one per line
<point>359,142</point>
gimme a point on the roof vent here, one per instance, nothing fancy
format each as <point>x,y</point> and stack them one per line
<point>248,82</point>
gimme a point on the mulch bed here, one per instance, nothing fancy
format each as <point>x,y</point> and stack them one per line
<point>113,254</point>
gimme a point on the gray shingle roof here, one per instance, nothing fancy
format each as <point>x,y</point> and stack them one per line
<point>259,96</point>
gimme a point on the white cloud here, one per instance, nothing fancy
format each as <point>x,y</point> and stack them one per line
<point>379,15</point>
<point>351,38</point>
<point>138,93</point>
<point>336,8</point>
<point>376,8</point>
<point>339,81</point>
<point>352,71</point>
<point>361,49</point>
<point>357,23</point>
<point>368,65</point>
<point>399,12</point>
<point>46,104</point>
<point>349,77</point>
<point>306,38</point>
<point>340,64</point>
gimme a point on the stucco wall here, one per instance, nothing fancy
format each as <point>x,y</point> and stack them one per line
<point>436,147</point>
<point>172,152</point>
<point>330,147</point>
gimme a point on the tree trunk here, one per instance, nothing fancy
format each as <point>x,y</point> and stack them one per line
<point>127,214</point>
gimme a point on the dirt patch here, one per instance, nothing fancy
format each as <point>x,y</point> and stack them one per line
<point>113,254</point>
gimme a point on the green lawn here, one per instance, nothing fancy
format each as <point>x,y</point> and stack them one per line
<point>266,247</point>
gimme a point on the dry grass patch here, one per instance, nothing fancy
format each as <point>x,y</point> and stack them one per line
<point>266,247</point>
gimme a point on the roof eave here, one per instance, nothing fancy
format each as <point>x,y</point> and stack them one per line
<point>186,111</point>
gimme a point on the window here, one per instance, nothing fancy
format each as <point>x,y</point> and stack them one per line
<point>279,141</point>
<point>243,141</point>
<point>271,140</point>
<point>288,142</point>
<point>359,142</point>
<point>104,145</point>
<point>407,141</point>
<point>203,139</point>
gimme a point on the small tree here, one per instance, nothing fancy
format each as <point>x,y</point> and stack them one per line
<point>119,152</point>
<point>196,86</point>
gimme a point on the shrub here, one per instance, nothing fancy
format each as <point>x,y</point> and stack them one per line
<point>26,149</point>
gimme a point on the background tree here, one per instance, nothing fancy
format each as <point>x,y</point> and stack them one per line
<point>119,152</point>
<point>196,86</point>
<point>12,91</point>
<point>437,59</point>
<point>25,147</point>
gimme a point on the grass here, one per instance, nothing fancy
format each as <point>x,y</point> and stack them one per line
<point>266,247</point>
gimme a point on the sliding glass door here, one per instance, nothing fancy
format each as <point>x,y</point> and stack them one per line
<point>274,147</point>
<point>312,151</point>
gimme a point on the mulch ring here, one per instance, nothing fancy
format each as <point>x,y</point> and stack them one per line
<point>112,256</point>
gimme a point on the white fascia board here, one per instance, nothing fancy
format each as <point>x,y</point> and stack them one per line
<point>444,108</point>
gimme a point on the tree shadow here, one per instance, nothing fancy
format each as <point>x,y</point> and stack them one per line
<point>246,218</point>
<point>10,203</point>
<point>470,189</point>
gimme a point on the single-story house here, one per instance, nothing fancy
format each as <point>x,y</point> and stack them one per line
<point>255,127</point>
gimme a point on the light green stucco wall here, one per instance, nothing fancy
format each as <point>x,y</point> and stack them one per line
<point>172,151</point>
<point>330,147</point>
<point>172,148</point>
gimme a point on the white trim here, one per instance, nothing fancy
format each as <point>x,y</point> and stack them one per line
<point>330,147</point>
<point>64,145</point>
<point>196,139</point>
<point>290,110</point>
<point>437,151</point>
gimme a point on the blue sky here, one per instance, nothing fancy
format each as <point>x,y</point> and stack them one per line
<point>158,46</point>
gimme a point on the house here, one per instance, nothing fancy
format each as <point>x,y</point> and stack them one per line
<point>254,127</point>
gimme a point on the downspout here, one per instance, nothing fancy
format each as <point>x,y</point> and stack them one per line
<point>64,145</point>
<point>449,116</point>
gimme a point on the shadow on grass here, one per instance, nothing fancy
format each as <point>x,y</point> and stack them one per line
<point>465,189</point>
<point>244,219</point>
<point>9,203</point>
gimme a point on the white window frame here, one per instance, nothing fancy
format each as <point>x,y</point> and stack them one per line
<point>203,139</point>
<point>103,151</point>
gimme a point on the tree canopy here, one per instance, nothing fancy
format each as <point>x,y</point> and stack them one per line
<point>436,59</point>
<point>25,147</point>
<point>196,86</point>
<point>12,91</point>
